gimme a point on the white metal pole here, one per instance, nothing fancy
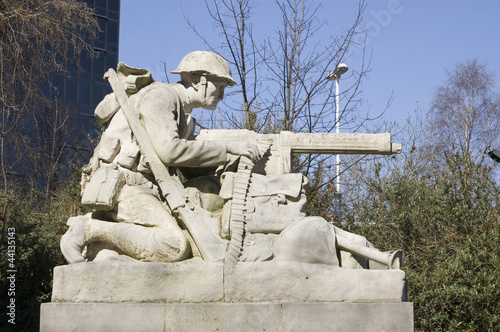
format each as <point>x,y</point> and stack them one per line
<point>337,119</point>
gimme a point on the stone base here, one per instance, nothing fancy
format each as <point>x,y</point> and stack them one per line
<point>200,296</point>
<point>152,317</point>
<point>201,282</point>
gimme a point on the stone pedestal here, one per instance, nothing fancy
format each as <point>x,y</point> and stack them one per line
<point>230,317</point>
<point>199,296</point>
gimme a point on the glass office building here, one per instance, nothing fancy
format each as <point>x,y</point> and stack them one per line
<point>84,89</point>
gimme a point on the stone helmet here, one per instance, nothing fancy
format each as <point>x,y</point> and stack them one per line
<point>205,62</point>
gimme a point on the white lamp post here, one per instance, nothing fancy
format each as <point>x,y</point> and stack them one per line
<point>335,76</point>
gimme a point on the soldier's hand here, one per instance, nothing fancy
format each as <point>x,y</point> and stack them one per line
<point>242,148</point>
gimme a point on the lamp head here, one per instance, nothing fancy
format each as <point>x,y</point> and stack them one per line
<point>339,70</point>
<point>495,155</point>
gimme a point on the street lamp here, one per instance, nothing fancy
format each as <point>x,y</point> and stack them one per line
<point>495,155</point>
<point>335,76</point>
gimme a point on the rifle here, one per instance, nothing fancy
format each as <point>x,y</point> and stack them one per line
<point>211,247</point>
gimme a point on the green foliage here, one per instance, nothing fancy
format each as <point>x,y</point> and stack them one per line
<point>447,221</point>
<point>321,195</point>
<point>37,234</point>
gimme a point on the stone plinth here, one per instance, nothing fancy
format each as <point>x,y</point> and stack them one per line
<point>115,281</point>
<point>198,296</point>
<point>198,281</point>
<point>178,317</point>
<point>299,282</point>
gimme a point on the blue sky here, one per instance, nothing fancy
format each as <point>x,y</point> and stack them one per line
<point>411,43</point>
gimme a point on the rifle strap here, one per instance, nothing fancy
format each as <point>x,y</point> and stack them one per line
<point>210,245</point>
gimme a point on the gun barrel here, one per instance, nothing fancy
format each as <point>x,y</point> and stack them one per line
<point>330,143</point>
<point>284,144</point>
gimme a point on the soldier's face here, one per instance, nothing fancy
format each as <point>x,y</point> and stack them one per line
<point>214,93</point>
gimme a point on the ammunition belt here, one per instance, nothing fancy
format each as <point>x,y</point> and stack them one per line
<point>239,208</point>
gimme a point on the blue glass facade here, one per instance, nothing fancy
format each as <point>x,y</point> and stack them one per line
<point>85,88</point>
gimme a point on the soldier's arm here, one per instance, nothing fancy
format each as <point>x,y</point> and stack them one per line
<point>159,110</point>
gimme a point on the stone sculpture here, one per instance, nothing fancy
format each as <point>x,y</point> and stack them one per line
<point>236,201</point>
<point>208,233</point>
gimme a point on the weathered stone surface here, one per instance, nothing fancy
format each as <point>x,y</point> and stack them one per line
<point>178,317</point>
<point>101,192</point>
<point>307,240</point>
<point>197,281</point>
<point>286,143</point>
<point>346,317</point>
<point>300,282</point>
<point>105,317</point>
<point>259,262</point>
<point>142,208</point>
<point>108,281</point>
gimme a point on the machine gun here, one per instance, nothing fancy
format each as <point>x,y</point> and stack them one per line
<point>278,161</point>
<point>284,144</point>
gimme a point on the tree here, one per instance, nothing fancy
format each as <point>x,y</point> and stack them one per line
<point>37,38</point>
<point>232,18</point>
<point>442,210</point>
<point>49,149</point>
<point>37,252</point>
<point>297,65</point>
<point>283,78</point>
<point>449,233</point>
<point>465,114</point>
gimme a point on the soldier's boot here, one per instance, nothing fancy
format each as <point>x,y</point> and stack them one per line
<point>73,241</point>
<point>391,259</point>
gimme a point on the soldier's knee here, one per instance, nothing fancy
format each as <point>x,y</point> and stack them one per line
<point>171,247</point>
